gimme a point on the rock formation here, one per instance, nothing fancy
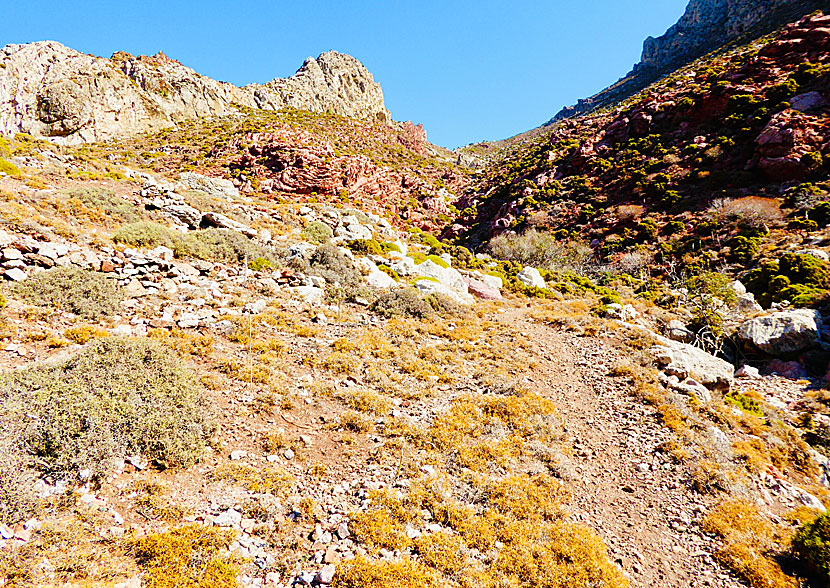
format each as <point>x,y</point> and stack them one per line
<point>705,26</point>
<point>49,90</point>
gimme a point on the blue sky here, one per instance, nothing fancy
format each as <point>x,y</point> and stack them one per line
<point>467,70</point>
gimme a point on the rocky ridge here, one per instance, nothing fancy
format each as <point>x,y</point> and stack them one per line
<point>49,90</point>
<point>705,26</point>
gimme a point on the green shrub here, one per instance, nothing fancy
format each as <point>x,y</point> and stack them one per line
<point>801,279</point>
<point>802,224</point>
<point>318,233</point>
<point>782,92</point>
<point>744,249</point>
<point>149,234</point>
<point>812,160</point>
<point>88,294</point>
<point>17,491</point>
<point>402,302</point>
<point>9,169</point>
<point>820,213</point>
<point>117,397</point>
<point>106,201</point>
<point>438,261</point>
<point>812,547</point>
<point>227,246</point>
<point>259,264</point>
<point>365,247</point>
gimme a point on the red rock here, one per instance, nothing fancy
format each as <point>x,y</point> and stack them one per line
<point>107,266</point>
<point>481,290</point>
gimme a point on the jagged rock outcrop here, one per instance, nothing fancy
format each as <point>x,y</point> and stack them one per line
<point>49,90</point>
<point>705,26</point>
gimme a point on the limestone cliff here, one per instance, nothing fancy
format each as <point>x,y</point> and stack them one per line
<point>49,90</point>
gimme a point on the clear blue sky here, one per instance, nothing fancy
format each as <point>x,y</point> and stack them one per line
<point>467,70</point>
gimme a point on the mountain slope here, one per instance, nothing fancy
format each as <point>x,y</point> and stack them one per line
<point>49,90</point>
<point>706,25</point>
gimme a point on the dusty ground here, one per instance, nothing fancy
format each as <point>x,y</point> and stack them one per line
<point>637,500</point>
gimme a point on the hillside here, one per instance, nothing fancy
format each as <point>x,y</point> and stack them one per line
<point>706,25</point>
<point>290,342</point>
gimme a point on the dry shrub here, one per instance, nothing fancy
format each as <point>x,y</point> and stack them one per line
<point>117,397</point>
<point>750,211</point>
<point>76,555</point>
<point>192,556</point>
<point>404,302</point>
<point>403,573</point>
<point>90,295</point>
<point>750,543</point>
<point>629,212</point>
<point>543,251</point>
<point>17,490</point>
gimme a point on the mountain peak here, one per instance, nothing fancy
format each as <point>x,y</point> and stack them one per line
<point>49,90</point>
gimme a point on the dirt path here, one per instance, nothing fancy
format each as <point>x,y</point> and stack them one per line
<point>636,499</point>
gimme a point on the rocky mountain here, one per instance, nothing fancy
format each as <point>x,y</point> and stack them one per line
<point>706,25</point>
<point>49,90</point>
<point>236,351</point>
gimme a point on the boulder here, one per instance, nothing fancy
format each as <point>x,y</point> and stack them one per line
<point>492,281</point>
<point>376,278</point>
<point>808,101</point>
<point>782,333</point>
<point>482,290</point>
<point>431,287</point>
<point>220,221</point>
<point>620,312</point>
<point>530,276</point>
<point>685,361</point>
<point>217,187</point>
<point>351,229</point>
<point>448,276</point>
<point>15,274</point>
<point>185,214</point>
<point>677,331</point>
<point>747,304</point>
<point>311,294</point>
<point>403,266</point>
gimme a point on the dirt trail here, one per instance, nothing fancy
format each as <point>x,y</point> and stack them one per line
<point>630,493</point>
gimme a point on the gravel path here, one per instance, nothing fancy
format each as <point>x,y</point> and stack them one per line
<point>636,499</point>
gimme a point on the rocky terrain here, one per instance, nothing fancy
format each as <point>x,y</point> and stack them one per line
<point>49,90</point>
<point>269,346</point>
<point>707,25</point>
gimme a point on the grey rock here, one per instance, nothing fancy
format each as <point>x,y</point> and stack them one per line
<point>49,90</point>
<point>685,361</point>
<point>185,214</point>
<point>530,276</point>
<point>430,287</point>
<point>677,331</point>
<point>15,274</point>
<point>218,187</point>
<point>214,219</point>
<point>808,101</point>
<point>447,276</point>
<point>782,333</point>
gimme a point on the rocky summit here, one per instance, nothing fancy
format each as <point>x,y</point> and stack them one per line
<point>267,337</point>
<point>49,90</point>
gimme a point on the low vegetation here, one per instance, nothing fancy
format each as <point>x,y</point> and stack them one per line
<point>87,294</point>
<point>116,398</point>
